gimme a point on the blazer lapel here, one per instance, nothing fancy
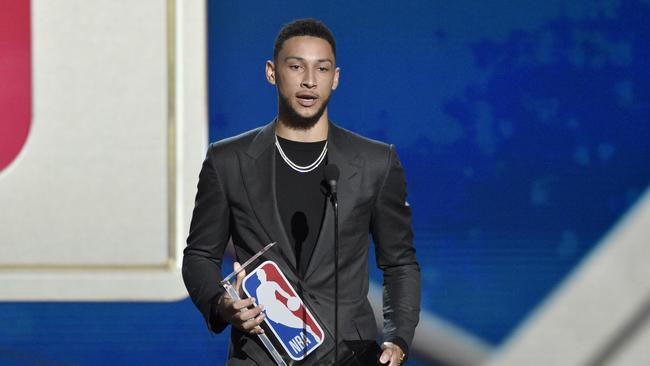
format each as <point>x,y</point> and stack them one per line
<point>349,163</point>
<point>258,171</point>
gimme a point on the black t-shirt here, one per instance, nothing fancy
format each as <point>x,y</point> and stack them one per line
<point>301,200</point>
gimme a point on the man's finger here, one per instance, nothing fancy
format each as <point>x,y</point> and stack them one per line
<point>240,280</point>
<point>248,314</point>
<point>253,324</point>
<point>240,277</point>
<point>386,355</point>
<point>243,303</point>
<point>256,330</point>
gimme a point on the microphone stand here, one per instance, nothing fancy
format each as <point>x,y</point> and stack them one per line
<point>331,177</point>
<point>335,203</point>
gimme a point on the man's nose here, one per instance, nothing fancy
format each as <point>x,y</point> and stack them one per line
<point>309,80</point>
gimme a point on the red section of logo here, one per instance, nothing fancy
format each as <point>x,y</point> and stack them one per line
<point>275,276</point>
<point>15,78</point>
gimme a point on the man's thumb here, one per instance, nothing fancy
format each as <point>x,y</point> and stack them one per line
<point>240,275</point>
<point>385,357</point>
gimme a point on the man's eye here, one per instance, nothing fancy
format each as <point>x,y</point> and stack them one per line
<point>323,69</point>
<point>294,67</point>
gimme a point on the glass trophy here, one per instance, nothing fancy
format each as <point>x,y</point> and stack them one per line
<point>235,296</point>
<point>292,330</point>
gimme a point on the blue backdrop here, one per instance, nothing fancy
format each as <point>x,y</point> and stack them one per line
<point>523,130</point>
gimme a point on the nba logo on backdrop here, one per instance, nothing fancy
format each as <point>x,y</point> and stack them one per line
<point>286,315</point>
<point>15,78</point>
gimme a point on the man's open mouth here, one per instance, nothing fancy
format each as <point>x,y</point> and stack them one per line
<point>306,99</point>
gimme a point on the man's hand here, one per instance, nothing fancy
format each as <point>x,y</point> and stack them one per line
<point>240,313</point>
<point>392,354</point>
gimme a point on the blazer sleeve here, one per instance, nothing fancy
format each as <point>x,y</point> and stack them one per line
<point>206,243</point>
<point>393,236</point>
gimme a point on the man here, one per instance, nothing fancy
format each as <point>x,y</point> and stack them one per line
<point>267,185</point>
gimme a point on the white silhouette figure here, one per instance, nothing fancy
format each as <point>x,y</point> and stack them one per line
<point>275,309</point>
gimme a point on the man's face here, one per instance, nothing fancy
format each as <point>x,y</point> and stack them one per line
<point>305,74</point>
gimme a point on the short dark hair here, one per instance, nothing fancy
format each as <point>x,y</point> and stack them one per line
<point>303,27</point>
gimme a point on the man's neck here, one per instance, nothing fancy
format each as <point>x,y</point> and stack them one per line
<point>317,133</point>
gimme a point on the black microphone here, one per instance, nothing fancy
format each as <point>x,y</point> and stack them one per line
<point>331,177</point>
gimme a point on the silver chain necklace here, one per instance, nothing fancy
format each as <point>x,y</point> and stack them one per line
<point>296,167</point>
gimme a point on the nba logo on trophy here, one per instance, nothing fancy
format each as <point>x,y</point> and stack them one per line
<point>285,314</point>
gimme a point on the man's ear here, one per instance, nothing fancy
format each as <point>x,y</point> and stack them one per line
<point>337,72</point>
<point>270,72</point>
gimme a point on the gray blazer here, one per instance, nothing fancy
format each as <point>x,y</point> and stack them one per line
<point>236,200</point>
